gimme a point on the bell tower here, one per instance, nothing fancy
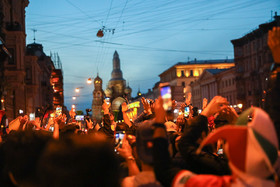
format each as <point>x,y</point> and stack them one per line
<point>98,97</point>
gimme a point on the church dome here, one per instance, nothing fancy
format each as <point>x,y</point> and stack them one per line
<point>108,92</point>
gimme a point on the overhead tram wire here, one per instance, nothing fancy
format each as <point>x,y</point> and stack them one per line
<point>81,11</point>
<point>200,12</point>
<point>116,26</point>
<point>100,55</point>
<point>105,51</point>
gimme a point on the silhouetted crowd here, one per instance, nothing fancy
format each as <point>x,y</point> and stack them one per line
<point>214,147</point>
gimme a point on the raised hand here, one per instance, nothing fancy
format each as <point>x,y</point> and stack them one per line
<point>146,106</point>
<point>230,114</point>
<point>188,98</point>
<point>204,103</point>
<point>106,107</point>
<point>273,42</point>
<point>125,151</point>
<point>159,111</point>
<point>124,107</point>
<point>89,124</point>
<point>217,104</point>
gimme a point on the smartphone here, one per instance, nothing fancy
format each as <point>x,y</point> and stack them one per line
<point>107,99</point>
<point>20,111</point>
<point>187,111</point>
<point>119,135</point>
<point>199,111</point>
<point>165,92</point>
<point>51,129</point>
<point>80,117</point>
<point>32,116</point>
<point>220,152</point>
<point>58,111</point>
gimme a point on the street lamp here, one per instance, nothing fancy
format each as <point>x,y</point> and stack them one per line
<point>89,81</point>
<point>78,89</point>
<point>240,105</point>
<point>74,97</point>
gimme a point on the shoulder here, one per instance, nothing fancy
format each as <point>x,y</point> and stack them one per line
<point>128,181</point>
<point>186,178</point>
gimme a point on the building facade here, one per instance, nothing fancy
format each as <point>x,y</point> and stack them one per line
<point>182,74</point>
<point>27,82</point>
<point>253,60</point>
<point>214,82</point>
<point>12,24</point>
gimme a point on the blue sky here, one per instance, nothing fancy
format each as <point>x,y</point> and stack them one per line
<point>150,36</point>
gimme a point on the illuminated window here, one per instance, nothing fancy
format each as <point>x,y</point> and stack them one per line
<point>196,74</point>
<point>178,73</point>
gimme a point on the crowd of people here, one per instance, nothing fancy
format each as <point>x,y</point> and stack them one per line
<point>216,147</point>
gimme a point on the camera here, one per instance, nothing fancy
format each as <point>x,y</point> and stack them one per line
<point>119,135</point>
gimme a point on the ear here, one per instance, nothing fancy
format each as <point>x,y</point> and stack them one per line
<point>12,178</point>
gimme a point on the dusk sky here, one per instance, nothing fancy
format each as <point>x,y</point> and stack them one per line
<point>149,35</point>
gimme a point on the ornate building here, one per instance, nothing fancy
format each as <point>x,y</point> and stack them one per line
<point>26,77</point>
<point>117,90</point>
<point>98,97</point>
<point>253,61</point>
<point>12,23</point>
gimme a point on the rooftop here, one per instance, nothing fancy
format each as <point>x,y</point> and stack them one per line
<point>217,61</point>
<point>215,71</point>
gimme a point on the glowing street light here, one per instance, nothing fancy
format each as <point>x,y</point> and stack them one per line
<point>89,81</point>
<point>77,90</point>
<point>240,105</point>
<point>73,106</point>
<point>74,97</point>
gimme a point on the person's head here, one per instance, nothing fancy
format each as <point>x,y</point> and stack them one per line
<point>221,120</point>
<point>171,127</point>
<point>68,130</point>
<point>181,123</point>
<point>121,126</point>
<point>112,117</point>
<point>196,132</point>
<point>22,150</point>
<point>195,111</point>
<point>79,160</point>
<point>144,142</point>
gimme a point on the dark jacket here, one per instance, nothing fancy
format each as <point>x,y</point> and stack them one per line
<point>205,162</point>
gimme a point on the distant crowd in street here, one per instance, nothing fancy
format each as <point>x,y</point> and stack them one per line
<point>216,147</point>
